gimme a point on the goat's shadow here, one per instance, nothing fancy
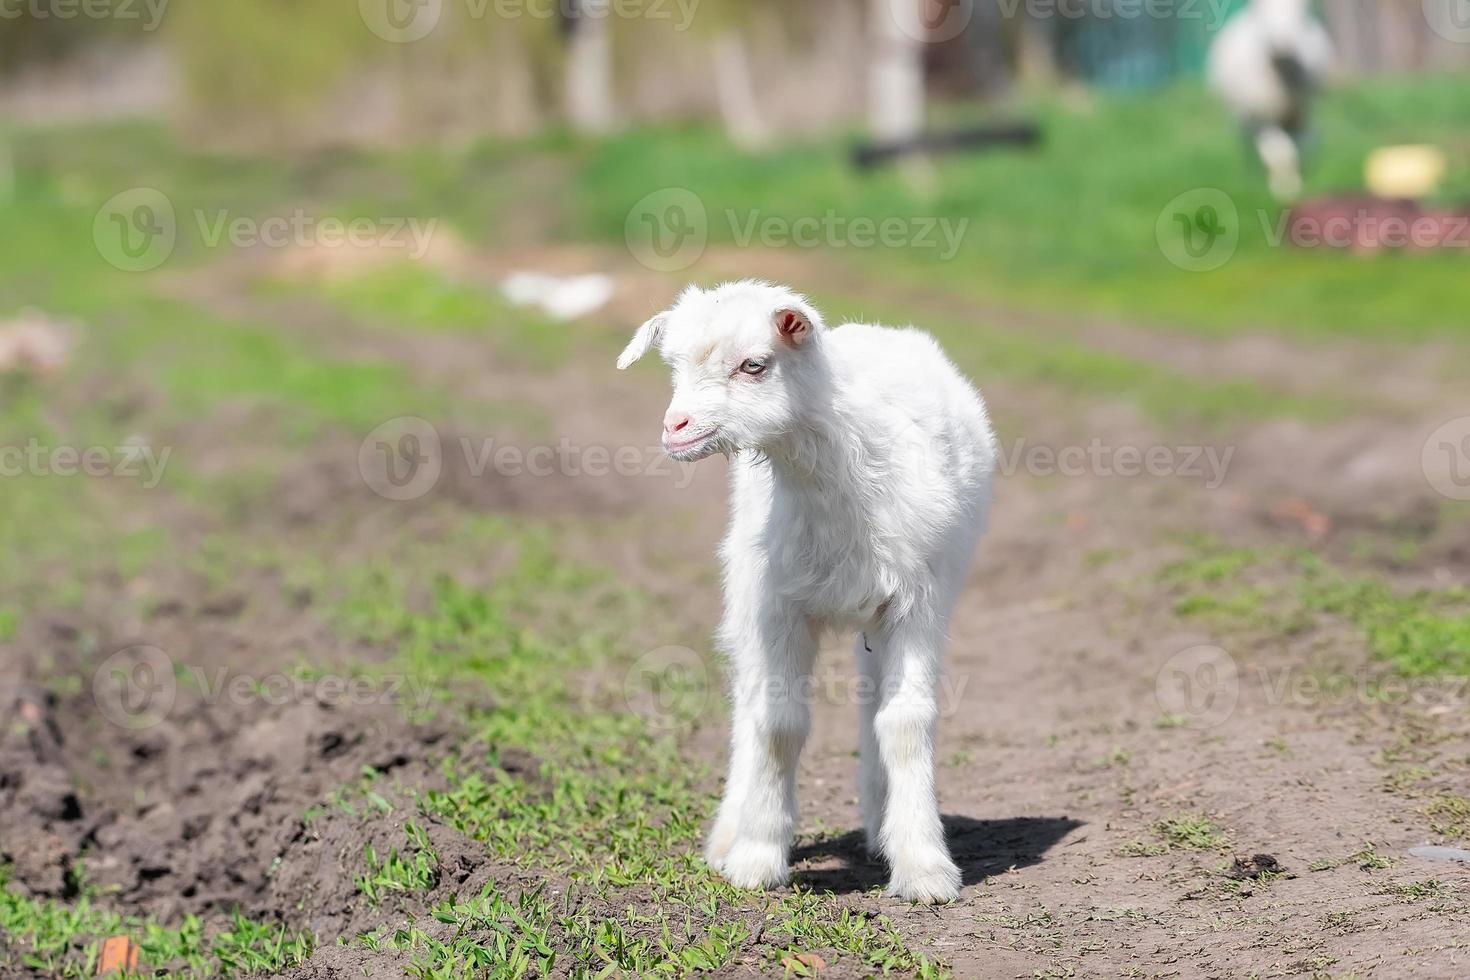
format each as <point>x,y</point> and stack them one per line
<point>981,848</point>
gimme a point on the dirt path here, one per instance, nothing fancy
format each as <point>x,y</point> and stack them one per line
<point>1056,770</point>
<point>1091,817</point>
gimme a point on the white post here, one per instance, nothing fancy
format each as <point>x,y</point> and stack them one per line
<point>897,78</point>
<point>589,77</point>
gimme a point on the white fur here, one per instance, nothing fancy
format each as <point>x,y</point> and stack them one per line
<point>861,470</point>
<point>1274,112</point>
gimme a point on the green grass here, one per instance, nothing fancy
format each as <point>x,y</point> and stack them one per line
<point>1073,224</point>
<point>416,296</point>
<point>1079,370</point>
<point>416,869</point>
<point>1190,830</point>
<point>1366,858</point>
<point>613,809</point>
<point>1420,633</point>
<point>1449,814</point>
<point>58,939</point>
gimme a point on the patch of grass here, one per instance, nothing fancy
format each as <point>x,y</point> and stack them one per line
<point>1421,633</point>
<point>1143,848</point>
<point>64,939</point>
<point>1122,159</point>
<point>414,870</point>
<point>1191,830</point>
<point>612,808</point>
<point>1212,563</point>
<point>1401,781</point>
<point>417,296</point>
<point>1246,605</point>
<point>1076,369</point>
<point>1449,814</point>
<point>1366,858</point>
<point>1416,891</point>
<point>1101,557</point>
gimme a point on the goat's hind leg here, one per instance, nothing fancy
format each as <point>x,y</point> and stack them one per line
<point>872,774</point>
<point>912,834</point>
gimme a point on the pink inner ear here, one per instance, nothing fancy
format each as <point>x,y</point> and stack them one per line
<point>789,322</point>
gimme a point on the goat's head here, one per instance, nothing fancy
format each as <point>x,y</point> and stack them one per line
<point>744,355</point>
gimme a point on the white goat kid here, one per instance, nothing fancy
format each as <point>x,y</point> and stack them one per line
<point>1266,63</point>
<point>861,470</point>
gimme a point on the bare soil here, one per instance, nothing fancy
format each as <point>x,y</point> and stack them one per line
<point>1055,769</point>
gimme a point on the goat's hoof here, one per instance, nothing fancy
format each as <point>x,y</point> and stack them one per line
<point>717,850</point>
<point>930,883</point>
<point>752,865</point>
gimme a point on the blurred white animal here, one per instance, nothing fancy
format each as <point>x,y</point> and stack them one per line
<point>1266,63</point>
<point>562,297</point>
<point>861,469</point>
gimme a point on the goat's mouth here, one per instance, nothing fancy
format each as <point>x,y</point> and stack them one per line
<point>694,447</point>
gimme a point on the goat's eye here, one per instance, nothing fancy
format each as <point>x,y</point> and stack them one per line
<point>752,365</point>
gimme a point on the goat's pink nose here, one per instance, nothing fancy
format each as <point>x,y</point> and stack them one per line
<point>674,421</point>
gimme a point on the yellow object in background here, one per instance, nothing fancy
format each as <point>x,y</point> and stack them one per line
<point>1411,171</point>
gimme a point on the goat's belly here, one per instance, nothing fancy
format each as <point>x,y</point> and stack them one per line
<point>848,593</point>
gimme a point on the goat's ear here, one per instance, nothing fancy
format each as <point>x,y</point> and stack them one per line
<point>792,325</point>
<point>645,338</point>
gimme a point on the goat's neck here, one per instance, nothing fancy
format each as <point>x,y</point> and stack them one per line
<point>817,455</point>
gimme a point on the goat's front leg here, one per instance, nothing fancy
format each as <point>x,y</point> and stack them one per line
<point>772,660</point>
<point>912,836</point>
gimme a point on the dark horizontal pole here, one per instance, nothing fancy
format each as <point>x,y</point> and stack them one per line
<point>866,155</point>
